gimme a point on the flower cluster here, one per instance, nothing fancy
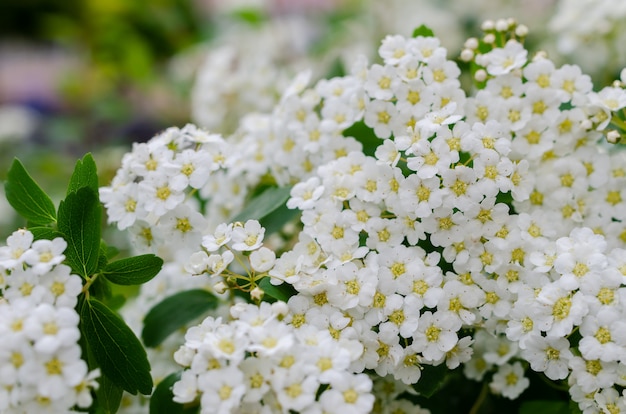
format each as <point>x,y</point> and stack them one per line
<point>480,230</point>
<point>151,192</point>
<point>259,362</point>
<point>40,358</point>
<point>241,242</point>
<point>499,214</point>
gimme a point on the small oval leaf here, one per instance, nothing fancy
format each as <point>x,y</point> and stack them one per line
<point>133,270</point>
<point>115,348</point>
<point>26,197</point>
<point>80,222</point>
<point>85,175</point>
<point>424,31</point>
<point>281,292</point>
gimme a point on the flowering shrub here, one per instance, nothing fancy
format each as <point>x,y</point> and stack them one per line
<point>374,241</point>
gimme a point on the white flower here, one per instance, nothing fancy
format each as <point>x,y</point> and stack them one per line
<point>257,373</point>
<point>56,374</point>
<point>460,353</point>
<point>52,328</point>
<point>221,236</point>
<point>221,390</point>
<point>436,334</point>
<point>509,381</point>
<point>217,263</point>
<point>262,260</point>
<point>63,288</point>
<point>159,195</point>
<point>504,60</point>
<point>271,338</point>
<point>183,226</point>
<point>18,243</point>
<point>591,375</point>
<point>194,169</point>
<point>295,390</point>
<point>248,236</point>
<point>304,194</point>
<point>603,336</point>
<point>610,98</point>
<point>381,82</point>
<point>549,355</point>
<point>228,342</point>
<point>185,390</point>
<point>350,394</point>
<point>45,254</point>
<point>564,308</point>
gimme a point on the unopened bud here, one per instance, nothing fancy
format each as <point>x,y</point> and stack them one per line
<point>489,38</point>
<point>502,25</point>
<point>487,25</point>
<point>622,76</point>
<point>471,43</point>
<point>613,137</point>
<point>220,287</point>
<point>257,293</point>
<point>467,55</point>
<point>521,30</point>
<point>480,75</point>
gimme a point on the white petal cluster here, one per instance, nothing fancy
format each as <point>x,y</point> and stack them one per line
<point>484,230</point>
<point>41,369</point>
<point>418,257</point>
<point>150,194</point>
<point>257,362</point>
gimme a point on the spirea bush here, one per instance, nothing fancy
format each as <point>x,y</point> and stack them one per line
<point>390,240</point>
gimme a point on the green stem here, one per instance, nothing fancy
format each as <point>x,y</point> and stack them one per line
<point>89,283</point>
<point>481,399</point>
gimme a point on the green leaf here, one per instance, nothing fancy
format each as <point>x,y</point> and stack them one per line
<point>281,292</point>
<point>85,175</point>
<point>100,289</point>
<point>161,401</point>
<point>433,377</point>
<point>133,270</point>
<point>80,222</point>
<point>115,348</point>
<point>276,220</point>
<point>174,312</point>
<point>108,395</point>
<point>544,407</point>
<point>26,197</point>
<point>47,233</point>
<point>365,135</point>
<point>424,31</point>
<point>263,204</point>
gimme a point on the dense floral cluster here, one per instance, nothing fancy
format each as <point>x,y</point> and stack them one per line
<point>412,249</point>
<point>150,193</point>
<point>483,231</point>
<point>258,362</point>
<point>41,369</point>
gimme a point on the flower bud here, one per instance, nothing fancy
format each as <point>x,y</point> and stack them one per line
<point>613,137</point>
<point>480,75</point>
<point>257,293</point>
